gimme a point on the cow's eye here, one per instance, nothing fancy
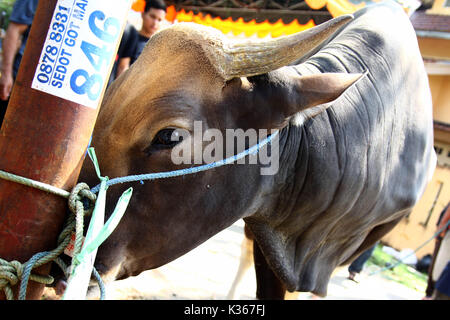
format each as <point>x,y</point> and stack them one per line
<point>164,139</point>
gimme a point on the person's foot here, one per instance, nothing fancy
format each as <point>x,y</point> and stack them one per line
<point>352,276</point>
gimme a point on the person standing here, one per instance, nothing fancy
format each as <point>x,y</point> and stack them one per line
<point>133,42</point>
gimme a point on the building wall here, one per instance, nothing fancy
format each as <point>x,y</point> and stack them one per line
<point>439,7</point>
<point>440,92</point>
<point>420,225</point>
<point>434,48</point>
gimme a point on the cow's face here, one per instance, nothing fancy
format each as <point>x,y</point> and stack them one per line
<point>186,77</point>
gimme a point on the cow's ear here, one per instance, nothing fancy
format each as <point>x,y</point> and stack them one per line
<point>277,96</point>
<point>313,90</point>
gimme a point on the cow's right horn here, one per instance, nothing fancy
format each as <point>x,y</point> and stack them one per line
<point>250,58</point>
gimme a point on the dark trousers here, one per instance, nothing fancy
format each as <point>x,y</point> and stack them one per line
<point>3,105</point>
<point>443,283</point>
<point>358,264</point>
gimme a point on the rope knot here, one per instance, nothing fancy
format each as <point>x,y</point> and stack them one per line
<point>81,198</point>
<point>10,274</point>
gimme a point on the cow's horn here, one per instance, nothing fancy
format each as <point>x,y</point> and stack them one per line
<point>249,58</point>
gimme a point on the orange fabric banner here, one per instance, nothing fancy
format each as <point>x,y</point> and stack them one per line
<point>263,29</point>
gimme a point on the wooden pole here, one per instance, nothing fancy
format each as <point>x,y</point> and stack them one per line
<point>43,137</point>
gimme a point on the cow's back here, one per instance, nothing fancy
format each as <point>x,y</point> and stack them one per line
<point>381,128</point>
<point>363,162</point>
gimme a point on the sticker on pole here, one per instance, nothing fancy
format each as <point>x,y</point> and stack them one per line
<point>80,48</point>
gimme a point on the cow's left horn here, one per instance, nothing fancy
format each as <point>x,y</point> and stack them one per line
<point>249,58</point>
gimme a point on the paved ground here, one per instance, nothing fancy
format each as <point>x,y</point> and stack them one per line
<point>208,273</point>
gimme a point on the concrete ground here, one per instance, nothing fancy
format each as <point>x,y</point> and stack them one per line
<point>208,273</point>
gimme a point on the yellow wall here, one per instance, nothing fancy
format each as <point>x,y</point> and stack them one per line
<point>438,8</point>
<point>410,232</point>
<point>440,92</point>
<point>434,48</point>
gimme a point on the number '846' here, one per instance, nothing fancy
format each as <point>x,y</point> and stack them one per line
<point>80,81</point>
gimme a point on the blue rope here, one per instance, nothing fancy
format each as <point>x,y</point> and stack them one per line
<point>100,283</point>
<point>34,259</point>
<point>160,175</point>
<point>27,271</point>
<point>417,249</point>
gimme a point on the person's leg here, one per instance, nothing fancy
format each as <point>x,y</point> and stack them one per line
<point>430,282</point>
<point>442,287</point>
<point>357,265</point>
